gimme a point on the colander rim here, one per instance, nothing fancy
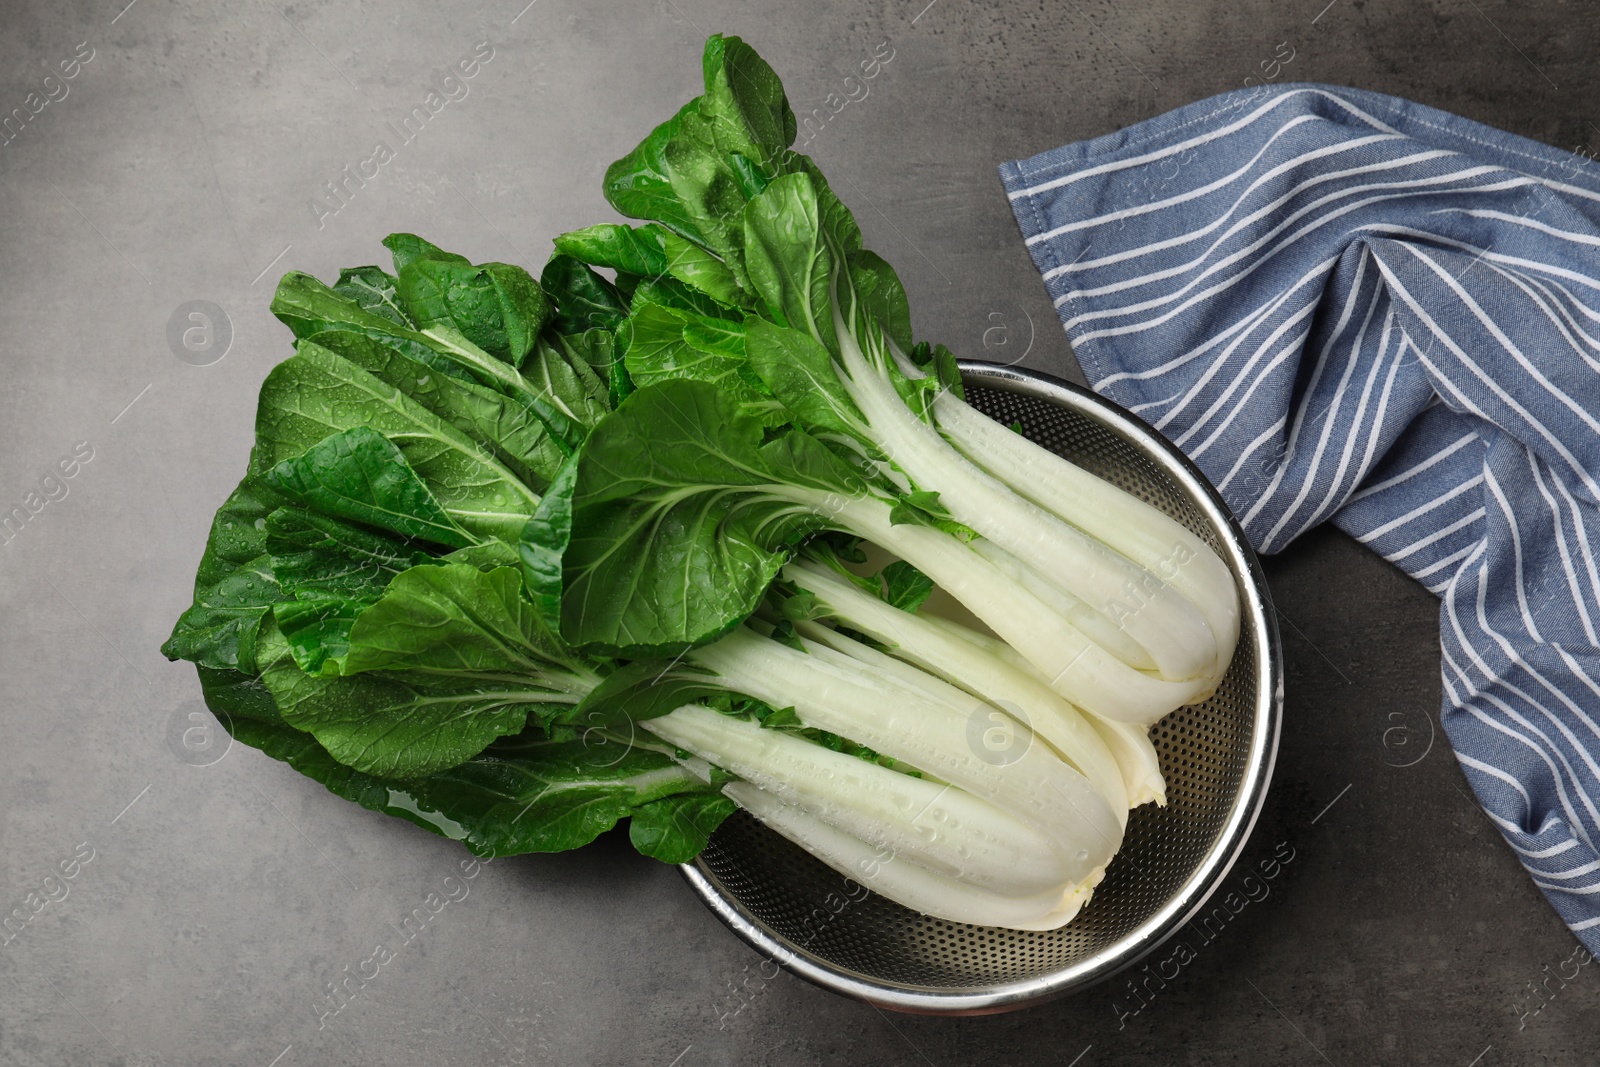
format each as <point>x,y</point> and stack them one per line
<point>1258,623</point>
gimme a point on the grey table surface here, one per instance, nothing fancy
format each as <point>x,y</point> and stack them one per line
<point>225,894</point>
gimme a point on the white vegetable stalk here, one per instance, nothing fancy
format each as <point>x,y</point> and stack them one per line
<point>924,642</point>
<point>939,826</point>
<point>1134,528</point>
<point>1036,787</point>
<point>1009,728</point>
<point>1093,625</point>
<point>1072,902</point>
<point>1073,665</point>
<point>1129,744</point>
<point>1136,758</point>
<point>834,647</point>
<point>904,882</point>
<point>984,717</point>
<point>1169,627</point>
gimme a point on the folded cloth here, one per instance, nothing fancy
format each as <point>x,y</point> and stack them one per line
<point>1347,306</point>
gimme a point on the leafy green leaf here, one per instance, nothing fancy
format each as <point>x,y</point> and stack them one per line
<point>904,586</point>
<point>783,719</point>
<point>522,794</point>
<point>699,269</point>
<point>919,507</point>
<point>596,349</point>
<point>403,724</point>
<point>684,176</point>
<point>513,433</point>
<point>485,557</point>
<point>638,184</point>
<point>943,371</point>
<point>309,308</point>
<point>706,185</point>
<point>453,618</point>
<point>948,370</point>
<point>583,299</point>
<point>801,375</point>
<point>637,250</point>
<point>835,219</point>
<point>573,371</point>
<point>568,396</point>
<point>800,606</point>
<point>788,259</point>
<point>528,794</point>
<point>668,291</point>
<point>238,531</point>
<point>544,545</point>
<point>317,628</point>
<point>682,516</point>
<point>333,571</point>
<point>666,343</point>
<point>302,752</point>
<point>439,712</point>
<point>219,630</point>
<point>233,696</point>
<point>372,289</point>
<point>675,829</point>
<point>407,248</point>
<point>496,306</point>
<point>636,692</point>
<point>752,179</point>
<point>784,634</point>
<point>234,586</point>
<point>836,548</point>
<point>317,393</point>
<point>878,288</point>
<point>836,552</point>
<point>604,354</point>
<point>744,101</point>
<point>361,475</point>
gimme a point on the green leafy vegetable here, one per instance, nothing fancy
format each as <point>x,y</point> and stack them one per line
<point>682,515</point>
<point>496,306</point>
<point>360,475</point>
<point>515,559</point>
<point>904,586</point>
<point>373,290</point>
<point>584,300</point>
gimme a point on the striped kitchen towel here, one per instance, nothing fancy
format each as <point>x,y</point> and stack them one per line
<point>1349,307</point>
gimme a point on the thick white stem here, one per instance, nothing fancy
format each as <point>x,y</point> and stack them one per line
<point>1171,629</point>
<point>1138,765</point>
<point>924,642</point>
<point>1093,625</point>
<point>1137,759</point>
<point>831,645</point>
<point>1142,533</point>
<point>1025,779</point>
<point>941,827</point>
<point>1072,902</point>
<point>1073,665</point>
<point>898,878</point>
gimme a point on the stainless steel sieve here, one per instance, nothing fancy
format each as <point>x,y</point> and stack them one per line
<point>1217,758</point>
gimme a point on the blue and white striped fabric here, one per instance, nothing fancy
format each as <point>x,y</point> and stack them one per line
<point>1350,307</point>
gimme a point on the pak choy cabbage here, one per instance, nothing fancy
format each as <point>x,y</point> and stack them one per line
<point>517,559</point>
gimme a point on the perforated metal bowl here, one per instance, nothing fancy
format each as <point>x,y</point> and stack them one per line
<point>1216,757</point>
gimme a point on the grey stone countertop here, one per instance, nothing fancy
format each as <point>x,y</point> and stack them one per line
<point>212,902</point>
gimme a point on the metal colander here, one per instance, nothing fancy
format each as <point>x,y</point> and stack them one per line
<point>1216,757</point>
